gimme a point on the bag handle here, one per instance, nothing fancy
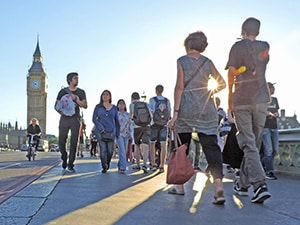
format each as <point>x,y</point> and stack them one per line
<point>176,139</point>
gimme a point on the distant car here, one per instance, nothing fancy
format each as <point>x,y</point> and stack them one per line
<point>53,150</point>
<point>24,147</point>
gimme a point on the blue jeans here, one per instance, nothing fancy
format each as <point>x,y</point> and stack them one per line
<point>122,143</point>
<point>270,147</point>
<point>106,151</point>
<point>250,121</point>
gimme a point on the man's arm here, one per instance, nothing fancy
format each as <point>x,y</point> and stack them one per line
<point>231,71</point>
<point>81,103</point>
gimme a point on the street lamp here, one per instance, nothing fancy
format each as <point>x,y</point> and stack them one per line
<point>144,96</point>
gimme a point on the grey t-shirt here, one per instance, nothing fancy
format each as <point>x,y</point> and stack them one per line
<point>250,87</point>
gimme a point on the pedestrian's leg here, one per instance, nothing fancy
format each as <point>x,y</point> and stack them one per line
<point>267,150</point>
<point>251,168</point>
<point>213,154</point>
<point>145,153</point>
<point>103,155</point>
<point>197,154</point>
<point>275,144</point>
<point>75,125</point>
<point>152,152</point>
<point>163,154</point>
<point>137,154</point>
<point>163,135</point>
<point>122,146</point>
<point>62,139</point>
<point>110,151</point>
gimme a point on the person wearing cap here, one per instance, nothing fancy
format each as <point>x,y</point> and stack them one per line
<point>69,121</point>
<point>248,99</point>
<point>270,135</point>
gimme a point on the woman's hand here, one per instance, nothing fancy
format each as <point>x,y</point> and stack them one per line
<point>172,122</point>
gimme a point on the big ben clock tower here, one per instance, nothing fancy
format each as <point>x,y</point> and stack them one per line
<point>37,87</point>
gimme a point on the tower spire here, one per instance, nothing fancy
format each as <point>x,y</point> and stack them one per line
<point>37,56</point>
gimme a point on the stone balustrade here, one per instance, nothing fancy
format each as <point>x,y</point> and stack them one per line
<point>288,157</point>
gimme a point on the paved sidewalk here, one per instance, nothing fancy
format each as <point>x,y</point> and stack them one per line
<point>90,197</point>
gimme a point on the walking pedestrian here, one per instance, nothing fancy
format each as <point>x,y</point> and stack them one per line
<point>248,99</point>
<point>160,109</point>
<point>107,127</point>
<point>140,114</point>
<point>68,103</point>
<point>195,110</point>
<point>94,143</point>
<point>125,134</point>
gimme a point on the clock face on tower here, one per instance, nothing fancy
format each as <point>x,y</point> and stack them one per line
<point>35,84</point>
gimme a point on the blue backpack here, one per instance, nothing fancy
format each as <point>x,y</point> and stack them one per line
<point>161,112</point>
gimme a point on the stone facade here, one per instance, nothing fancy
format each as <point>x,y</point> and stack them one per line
<point>37,88</point>
<point>285,122</point>
<point>11,137</point>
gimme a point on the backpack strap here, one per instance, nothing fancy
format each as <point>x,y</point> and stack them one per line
<point>67,90</point>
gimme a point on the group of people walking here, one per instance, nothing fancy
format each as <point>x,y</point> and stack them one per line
<point>194,111</point>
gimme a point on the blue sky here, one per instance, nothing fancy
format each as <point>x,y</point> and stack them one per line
<point>133,45</point>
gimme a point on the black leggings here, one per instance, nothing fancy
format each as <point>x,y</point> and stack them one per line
<point>211,150</point>
<point>36,141</point>
<point>93,147</point>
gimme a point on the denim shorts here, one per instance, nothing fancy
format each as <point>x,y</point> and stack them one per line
<point>159,133</point>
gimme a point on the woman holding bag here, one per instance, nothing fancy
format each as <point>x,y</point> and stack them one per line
<point>107,127</point>
<point>195,110</point>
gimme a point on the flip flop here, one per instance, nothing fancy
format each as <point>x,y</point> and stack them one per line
<point>175,192</point>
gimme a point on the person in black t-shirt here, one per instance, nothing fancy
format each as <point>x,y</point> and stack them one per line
<point>72,122</point>
<point>270,136</point>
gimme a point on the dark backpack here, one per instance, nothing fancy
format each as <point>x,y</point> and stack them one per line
<point>141,115</point>
<point>161,112</point>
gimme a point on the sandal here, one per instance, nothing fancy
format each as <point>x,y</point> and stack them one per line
<point>219,199</point>
<point>175,192</point>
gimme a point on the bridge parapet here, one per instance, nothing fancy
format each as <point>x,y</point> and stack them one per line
<point>288,157</point>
